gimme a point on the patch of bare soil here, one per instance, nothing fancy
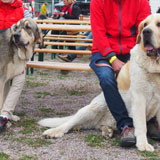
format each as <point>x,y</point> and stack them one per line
<point>48,93</point>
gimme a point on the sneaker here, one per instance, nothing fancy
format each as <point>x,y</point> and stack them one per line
<point>64,58</point>
<point>128,138</point>
<point>153,130</point>
<point>3,123</point>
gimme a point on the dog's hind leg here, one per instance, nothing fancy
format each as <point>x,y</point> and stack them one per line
<point>87,116</point>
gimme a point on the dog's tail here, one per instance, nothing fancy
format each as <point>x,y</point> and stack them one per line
<point>54,122</point>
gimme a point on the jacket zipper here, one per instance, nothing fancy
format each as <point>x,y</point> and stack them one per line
<point>120,26</point>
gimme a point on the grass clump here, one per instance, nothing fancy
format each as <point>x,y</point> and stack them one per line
<point>28,125</point>
<point>4,156</point>
<point>95,140</point>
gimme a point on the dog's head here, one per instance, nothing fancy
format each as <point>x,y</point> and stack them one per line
<point>25,34</point>
<point>149,35</point>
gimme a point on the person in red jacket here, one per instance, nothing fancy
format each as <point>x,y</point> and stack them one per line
<point>114,25</point>
<point>11,11</point>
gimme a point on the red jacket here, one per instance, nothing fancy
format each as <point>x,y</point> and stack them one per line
<point>10,13</point>
<point>114,24</point>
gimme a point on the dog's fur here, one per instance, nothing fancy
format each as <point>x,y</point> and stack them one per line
<point>16,48</point>
<point>139,85</point>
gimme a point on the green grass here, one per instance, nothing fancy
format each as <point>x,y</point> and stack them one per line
<point>43,93</point>
<point>20,114</point>
<point>4,156</point>
<point>94,140</point>
<point>24,102</point>
<point>47,110</point>
<point>42,73</point>
<point>28,126</point>
<point>114,141</point>
<point>62,76</point>
<point>26,157</point>
<point>33,142</point>
<point>150,155</point>
<point>35,84</point>
<point>76,92</point>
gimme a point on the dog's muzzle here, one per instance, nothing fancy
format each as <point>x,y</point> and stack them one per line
<point>149,47</point>
<point>17,40</point>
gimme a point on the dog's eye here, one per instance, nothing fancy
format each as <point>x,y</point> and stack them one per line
<point>15,27</point>
<point>145,24</point>
<point>158,24</point>
<point>28,26</point>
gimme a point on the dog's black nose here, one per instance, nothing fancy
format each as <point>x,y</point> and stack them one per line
<point>147,32</point>
<point>17,36</point>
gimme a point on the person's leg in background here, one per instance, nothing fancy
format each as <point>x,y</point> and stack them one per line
<point>71,57</point>
<point>54,33</point>
<point>11,101</point>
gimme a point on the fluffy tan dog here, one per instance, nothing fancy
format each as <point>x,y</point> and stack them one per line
<point>139,85</point>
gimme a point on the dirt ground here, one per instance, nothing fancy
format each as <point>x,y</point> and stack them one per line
<point>48,93</point>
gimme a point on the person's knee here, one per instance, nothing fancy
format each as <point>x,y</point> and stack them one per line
<point>19,81</point>
<point>107,79</point>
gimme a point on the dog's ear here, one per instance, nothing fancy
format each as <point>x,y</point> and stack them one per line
<point>140,28</point>
<point>13,28</point>
<point>39,37</point>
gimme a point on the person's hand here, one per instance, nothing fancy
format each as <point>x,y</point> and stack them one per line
<point>117,65</point>
<point>61,14</point>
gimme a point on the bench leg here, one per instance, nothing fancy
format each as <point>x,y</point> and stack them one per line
<point>40,56</point>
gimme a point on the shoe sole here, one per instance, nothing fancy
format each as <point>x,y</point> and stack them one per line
<point>63,59</point>
<point>127,142</point>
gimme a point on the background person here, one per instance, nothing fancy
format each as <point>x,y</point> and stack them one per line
<point>11,11</point>
<point>71,57</point>
<point>44,8</point>
<point>70,11</point>
<point>114,25</point>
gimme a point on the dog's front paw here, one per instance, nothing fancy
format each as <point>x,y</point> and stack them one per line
<point>145,147</point>
<point>53,133</point>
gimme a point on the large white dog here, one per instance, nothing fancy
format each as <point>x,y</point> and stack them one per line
<point>139,85</point>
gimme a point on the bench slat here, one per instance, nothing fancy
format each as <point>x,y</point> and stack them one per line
<point>69,36</point>
<point>65,27</point>
<point>64,21</point>
<point>66,39</point>
<point>68,44</point>
<point>67,51</point>
<point>59,66</point>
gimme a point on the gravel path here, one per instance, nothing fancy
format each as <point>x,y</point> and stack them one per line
<point>48,93</point>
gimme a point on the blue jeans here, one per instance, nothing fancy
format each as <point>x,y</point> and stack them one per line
<point>89,36</point>
<point>112,96</point>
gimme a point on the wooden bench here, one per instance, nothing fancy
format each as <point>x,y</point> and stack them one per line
<point>62,65</point>
<point>55,38</point>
